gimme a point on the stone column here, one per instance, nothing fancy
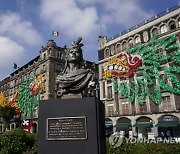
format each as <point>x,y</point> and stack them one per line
<point>114,123</point>
<point>155,128</point>
<point>133,122</point>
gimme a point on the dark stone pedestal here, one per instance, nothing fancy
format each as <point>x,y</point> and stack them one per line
<point>71,126</point>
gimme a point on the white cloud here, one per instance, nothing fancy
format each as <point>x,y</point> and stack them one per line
<point>75,18</point>
<point>69,18</point>
<point>87,2</point>
<point>124,13</point>
<point>10,52</point>
<point>82,20</point>
<point>12,25</point>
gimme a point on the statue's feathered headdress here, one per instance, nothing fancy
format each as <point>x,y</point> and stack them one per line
<point>75,44</point>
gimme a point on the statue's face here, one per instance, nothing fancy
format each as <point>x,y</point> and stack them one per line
<point>74,55</point>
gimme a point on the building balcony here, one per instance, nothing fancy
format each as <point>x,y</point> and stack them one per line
<point>167,108</point>
<point>111,114</point>
<point>142,110</point>
<point>122,113</point>
<point>126,112</point>
<point>29,117</point>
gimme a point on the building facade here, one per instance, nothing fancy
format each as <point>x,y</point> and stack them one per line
<point>145,118</point>
<point>48,63</point>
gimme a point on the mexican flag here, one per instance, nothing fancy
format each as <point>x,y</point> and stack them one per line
<point>56,33</point>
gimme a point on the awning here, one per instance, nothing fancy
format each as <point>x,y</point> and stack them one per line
<point>123,125</point>
<point>168,124</point>
<point>109,126</point>
<point>143,124</point>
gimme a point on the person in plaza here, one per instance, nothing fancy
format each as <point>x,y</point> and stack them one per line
<point>75,76</point>
<point>169,134</point>
<point>162,134</point>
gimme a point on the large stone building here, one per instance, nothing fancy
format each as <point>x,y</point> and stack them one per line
<point>145,119</point>
<point>49,63</point>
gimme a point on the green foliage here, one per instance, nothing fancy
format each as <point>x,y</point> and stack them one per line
<point>143,148</point>
<point>18,141</point>
<point>7,113</point>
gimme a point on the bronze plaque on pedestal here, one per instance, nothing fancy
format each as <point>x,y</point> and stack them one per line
<point>66,128</point>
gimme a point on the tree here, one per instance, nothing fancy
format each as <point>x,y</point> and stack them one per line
<point>3,99</point>
<point>7,113</point>
<point>18,141</point>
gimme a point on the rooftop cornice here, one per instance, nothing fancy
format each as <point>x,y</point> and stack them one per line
<point>156,17</point>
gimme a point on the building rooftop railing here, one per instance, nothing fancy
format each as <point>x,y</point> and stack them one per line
<point>145,22</point>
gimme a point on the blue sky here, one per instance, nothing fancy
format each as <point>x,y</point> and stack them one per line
<point>26,25</point>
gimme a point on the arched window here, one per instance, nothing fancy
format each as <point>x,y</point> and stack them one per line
<point>37,72</point>
<point>124,46</point>
<point>172,25</point>
<point>44,56</point>
<point>25,76</point>
<point>179,22</point>
<point>16,82</point>
<point>118,48</point>
<point>145,36</point>
<point>31,74</point>
<point>106,53</point>
<point>130,43</point>
<point>154,31</point>
<point>163,29</point>
<point>137,40</point>
<point>19,81</point>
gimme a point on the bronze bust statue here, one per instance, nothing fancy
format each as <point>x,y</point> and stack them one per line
<point>75,76</point>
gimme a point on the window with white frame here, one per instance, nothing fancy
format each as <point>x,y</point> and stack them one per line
<point>110,109</point>
<point>37,71</point>
<point>166,103</point>
<point>154,31</point>
<point>31,74</point>
<point>172,25</point>
<point>125,107</point>
<point>124,46</point>
<point>118,48</point>
<point>142,108</point>
<point>109,92</point>
<point>163,29</point>
<point>145,36</point>
<point>106,53</point>
<point>130,43</point>
<point>137,40</point>
<point>179,22</point>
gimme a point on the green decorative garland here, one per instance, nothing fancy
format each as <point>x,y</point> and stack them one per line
<point>26,101</point>
<point>149,71</point>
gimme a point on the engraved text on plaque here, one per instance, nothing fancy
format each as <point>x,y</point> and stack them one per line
<point>66,128</point>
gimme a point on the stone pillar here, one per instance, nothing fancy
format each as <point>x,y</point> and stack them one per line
<point>155,128</point>
<point>133,122</point>
<point>3,129</point>
<point>114,123</point>
<point>10,126</point>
